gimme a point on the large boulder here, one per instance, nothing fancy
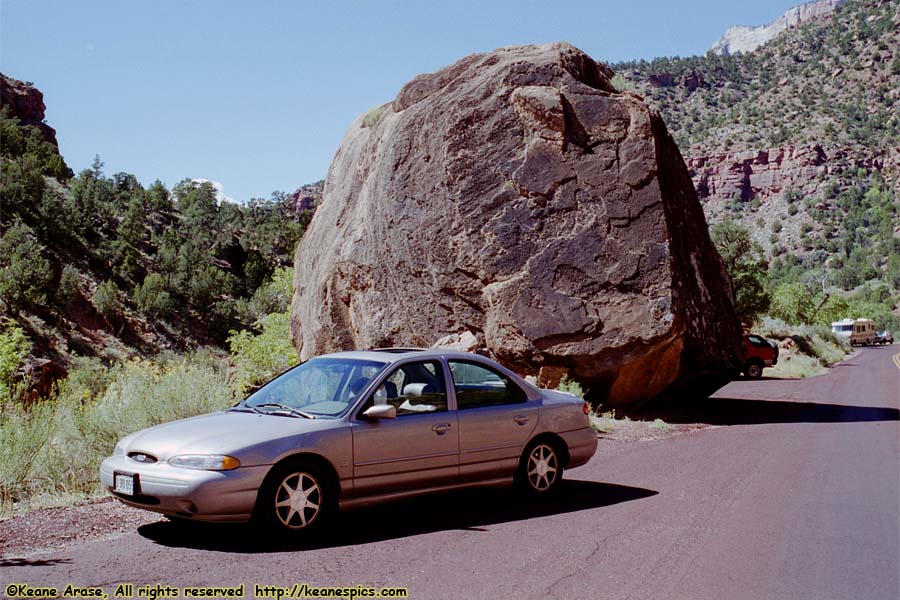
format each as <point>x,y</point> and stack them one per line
<point>517,204</point>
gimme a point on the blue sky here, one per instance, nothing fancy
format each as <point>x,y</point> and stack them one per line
<point>257,95</point>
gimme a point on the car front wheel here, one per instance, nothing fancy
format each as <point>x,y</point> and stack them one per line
<point>295,499</point>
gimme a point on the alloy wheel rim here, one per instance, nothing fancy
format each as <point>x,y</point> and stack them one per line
<point>298,500</point>
<point>542,467</point>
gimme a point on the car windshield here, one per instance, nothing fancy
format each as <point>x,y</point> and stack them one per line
<point>322,386</point>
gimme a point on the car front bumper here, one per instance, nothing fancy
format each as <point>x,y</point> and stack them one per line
<point>188,493</point>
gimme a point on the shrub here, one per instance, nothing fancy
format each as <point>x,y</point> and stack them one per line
<point>64,440</point>
<point>258,357</point>
<point>273,296</point>
<point>14,347</point>
<point>151,296</point>
<point>792,303</point>
<point>814,341</point>
<point>374,116</point>
<point>23,435</point>
<point>68,285</point>
<point>106,299</point>
<point>567,384</point>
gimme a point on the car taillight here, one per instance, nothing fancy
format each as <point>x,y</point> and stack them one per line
<point>586,408</point>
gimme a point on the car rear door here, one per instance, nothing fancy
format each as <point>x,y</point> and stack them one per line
<point>496,420</point>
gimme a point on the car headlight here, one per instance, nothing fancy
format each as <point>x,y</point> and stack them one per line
<point>208,462</point>
<point>118,450</point>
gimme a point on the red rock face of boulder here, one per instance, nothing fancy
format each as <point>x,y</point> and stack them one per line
<point>517,204</point>
<point>27,104</point>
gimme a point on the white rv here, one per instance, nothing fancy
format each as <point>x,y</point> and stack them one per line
<point>858,331</point>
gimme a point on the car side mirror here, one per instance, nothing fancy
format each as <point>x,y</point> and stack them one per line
<point>381,411</point>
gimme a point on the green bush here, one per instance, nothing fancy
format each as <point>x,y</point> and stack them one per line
<point>55,446</point>
<point>259,357</point>
<point>815,341</point>
<point>151,296</point>
<point>68,285</point>
<point>25,275</point>
<point>792,303</point>
<point>23,436</point>
<point>374,115</point>
<point>14,347</point>
<point>106,299</point>
<point>274,296</point>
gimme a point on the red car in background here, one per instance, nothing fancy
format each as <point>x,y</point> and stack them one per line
<point>758,353</point>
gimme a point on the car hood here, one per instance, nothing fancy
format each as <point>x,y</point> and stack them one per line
<point>231,433</point>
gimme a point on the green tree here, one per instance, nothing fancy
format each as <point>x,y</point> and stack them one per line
<point>792,303</point>
<point>747,267</point>
<point>106,299</point>
<point>25,274</point>
<point>208,285</point>
<point>152,298</point>
<point>68,285</point>
<point>258,357</point>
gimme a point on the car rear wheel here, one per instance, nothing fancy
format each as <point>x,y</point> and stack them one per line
<point>753,370</point>
<point>541,469</point>
<point>295,498</point>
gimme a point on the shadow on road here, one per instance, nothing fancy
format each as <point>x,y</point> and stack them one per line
<point>470,510</point>
<point>27,562</point>
<point>736,411</point>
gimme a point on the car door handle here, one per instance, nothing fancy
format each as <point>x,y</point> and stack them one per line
<point>520,419</point>
<point>441,429</point>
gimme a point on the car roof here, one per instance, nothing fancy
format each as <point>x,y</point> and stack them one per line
<point>392,355</point>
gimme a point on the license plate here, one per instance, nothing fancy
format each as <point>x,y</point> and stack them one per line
<point>123,484</point>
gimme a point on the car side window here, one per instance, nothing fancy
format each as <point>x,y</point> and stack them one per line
<point>758,341</point>
<point>477,385</point>
<point>413,388</point>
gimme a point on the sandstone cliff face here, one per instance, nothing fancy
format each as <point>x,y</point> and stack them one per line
<point>742,38</point>
<point>515,203</point>
<point>26,103</point>
<point>762,174</point>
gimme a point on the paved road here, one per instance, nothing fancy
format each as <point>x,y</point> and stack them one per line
<point>793,493</point>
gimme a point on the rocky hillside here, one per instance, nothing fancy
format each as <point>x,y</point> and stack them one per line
<point>797,140</point>
<point>514,201</point>
<point>26,103</point>
<point>100,265</point>
<point>743,38</point>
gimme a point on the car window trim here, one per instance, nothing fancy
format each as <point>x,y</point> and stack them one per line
<point>356,411</point>
<point>501,374</point>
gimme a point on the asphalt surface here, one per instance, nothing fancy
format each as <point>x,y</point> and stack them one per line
<point>792,492</point>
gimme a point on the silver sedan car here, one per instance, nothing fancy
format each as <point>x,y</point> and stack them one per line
<point>354,427</point>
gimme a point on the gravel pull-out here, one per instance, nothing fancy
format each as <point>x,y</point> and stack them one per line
<point>65,525</point>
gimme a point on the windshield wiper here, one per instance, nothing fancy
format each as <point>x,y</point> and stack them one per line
<point>242,406</point>
<point>290,409</point>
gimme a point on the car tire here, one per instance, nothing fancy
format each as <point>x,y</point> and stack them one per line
<point>753,370</point>
<point>296,499</point>
<point>540,468</point>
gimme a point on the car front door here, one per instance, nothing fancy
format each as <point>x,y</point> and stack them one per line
<point>417,449</point>
<point>495,421</point>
